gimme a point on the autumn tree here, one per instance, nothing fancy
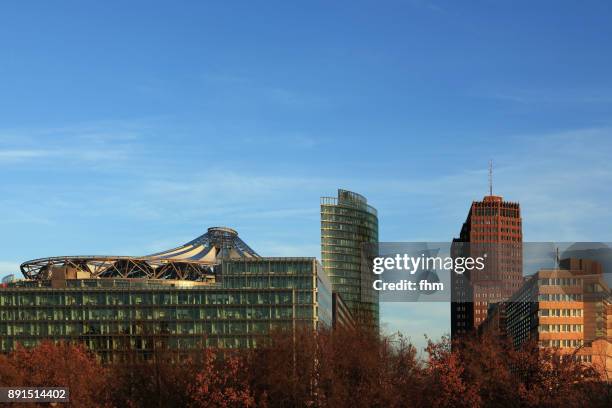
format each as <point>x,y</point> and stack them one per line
<point>484,371</point>
<point>161,380</point>
<point>355,368</point>
<point>221,381</point>
<point>58,365</point>
<point>322,368</point>
<point>549,378</point>
<point>446,384</point>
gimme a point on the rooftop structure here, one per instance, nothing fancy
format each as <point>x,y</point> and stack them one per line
<point>193,261</point>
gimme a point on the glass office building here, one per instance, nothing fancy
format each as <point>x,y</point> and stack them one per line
<point>347,224</point>
<point>235,303</point>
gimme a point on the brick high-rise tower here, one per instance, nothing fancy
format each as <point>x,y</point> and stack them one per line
<point>493,226</point>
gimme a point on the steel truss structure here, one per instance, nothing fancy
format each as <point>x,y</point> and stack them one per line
<point>195,261</point>
<point>120,267</point>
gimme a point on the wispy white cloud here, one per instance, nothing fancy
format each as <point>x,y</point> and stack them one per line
<point>104,142</point>
<point>71,155</point>
<point>222,183</point>
<point>552,175</point>
<point>17,155</point>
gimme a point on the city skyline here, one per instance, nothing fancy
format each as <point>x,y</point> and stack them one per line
<point>124,138</point>
<point>433,323</point>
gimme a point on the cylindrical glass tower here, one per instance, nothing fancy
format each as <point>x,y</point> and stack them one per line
<point>347,224</point>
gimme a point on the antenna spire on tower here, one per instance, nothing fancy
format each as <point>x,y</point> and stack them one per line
<point>490,177</point>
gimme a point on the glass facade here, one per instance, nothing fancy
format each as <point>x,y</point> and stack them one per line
<point>347,223</point>
<point>111,316</point>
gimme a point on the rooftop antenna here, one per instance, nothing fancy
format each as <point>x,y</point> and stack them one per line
<point>490,177</point>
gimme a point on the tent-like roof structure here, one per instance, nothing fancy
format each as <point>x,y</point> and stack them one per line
<point>218,242</point>
<point>194,260</point>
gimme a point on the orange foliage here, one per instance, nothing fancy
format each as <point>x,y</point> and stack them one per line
<point>341,368</point>
<point>221,382</point>
<point>57,365</point>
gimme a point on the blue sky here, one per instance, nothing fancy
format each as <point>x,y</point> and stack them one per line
<point>127,129</point>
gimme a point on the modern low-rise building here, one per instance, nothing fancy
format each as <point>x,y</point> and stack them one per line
<point>568,308</point>
<point>213,291</point>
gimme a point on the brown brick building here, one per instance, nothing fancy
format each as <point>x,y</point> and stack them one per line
<point>493,229</point>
